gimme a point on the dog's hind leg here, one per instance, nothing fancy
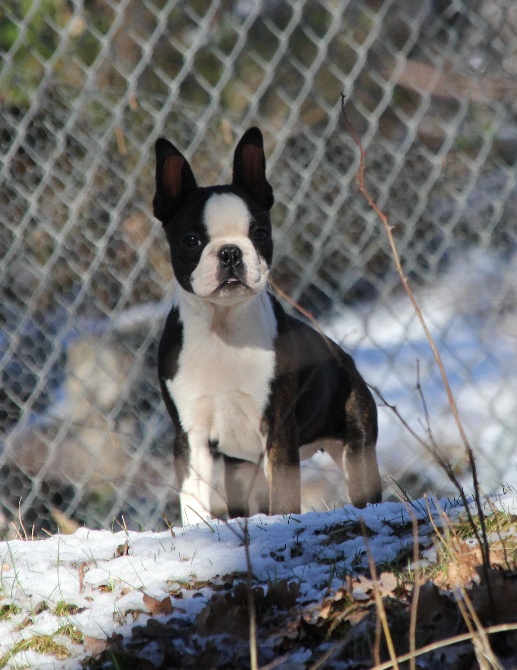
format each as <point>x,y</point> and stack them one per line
<point>283,472</point>
<point>362,475</point>
<point>360,471</point>
<point>355,453</point>
<point>359,457</point>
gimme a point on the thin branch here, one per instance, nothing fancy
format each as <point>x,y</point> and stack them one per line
<point>251,601</point>
<point>440,644</point>
<point>360,180</point>
<point>447,467</point>
<point>381,610</point>
<point>413,615</point>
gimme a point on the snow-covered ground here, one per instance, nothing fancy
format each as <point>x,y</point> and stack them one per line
<point>144,585</point>
<point>103,582</point>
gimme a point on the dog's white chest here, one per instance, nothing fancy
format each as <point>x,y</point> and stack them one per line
<point>224,376</point>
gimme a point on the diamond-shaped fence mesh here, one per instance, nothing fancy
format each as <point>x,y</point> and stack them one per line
<point>86,87</point>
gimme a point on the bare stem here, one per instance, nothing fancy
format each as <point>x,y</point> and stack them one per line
<point>484,546</point>
<point>381,611</point>
<point>251,601</point>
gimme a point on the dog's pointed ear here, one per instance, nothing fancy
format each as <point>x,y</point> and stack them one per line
<point>249,168</point>
<point>175,180</point>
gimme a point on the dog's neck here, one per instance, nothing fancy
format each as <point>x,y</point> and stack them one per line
<point>241,324</point>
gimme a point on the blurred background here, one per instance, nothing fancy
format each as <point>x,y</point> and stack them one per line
<point>86,87</point>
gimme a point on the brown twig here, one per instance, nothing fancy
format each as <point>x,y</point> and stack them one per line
<point>304,312</point>
<point>308,315</point>
<point>457,639</point>
<point>398,265</point>
<point>446,467</point>
<point>413,613</point>
<point>379,605</point>
<point>360,180</point>
<point>251,600</point>
<point>480,638</point>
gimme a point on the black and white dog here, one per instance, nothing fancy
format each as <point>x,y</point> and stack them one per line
<point>250,389</point>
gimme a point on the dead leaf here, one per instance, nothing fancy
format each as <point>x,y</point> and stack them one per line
<point>122,549</point>
<point>504,597</point>
<point>153,629</point>
<point>325,611</point>
<point>361,587</point>
<point>81,573</point>
<point>466,557</point>
<point>157,607</point>
<point>340,610</point>
<point>388,584</point>
<point>438,616</point>
<point>223,615</point>
<point>133,613</point>
<point>282,594</point>
<point>94,645</point>
<point>210,657</point>
<point>66,525</point>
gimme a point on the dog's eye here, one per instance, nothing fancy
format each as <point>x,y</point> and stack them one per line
<point>191,241</point>
<point>260,234</point>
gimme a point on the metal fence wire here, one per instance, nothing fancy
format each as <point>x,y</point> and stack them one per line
<point>86,87</point>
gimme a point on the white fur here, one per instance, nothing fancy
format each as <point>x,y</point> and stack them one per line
<point>226,215</point>
<point>222,386</point>
<point>201,484</point>
<point>227,361</point>
<point>227,221</point>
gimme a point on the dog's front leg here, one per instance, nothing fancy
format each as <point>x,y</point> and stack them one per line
<point>283,467</point>
<point>202,471</point>
<point>246,488</point>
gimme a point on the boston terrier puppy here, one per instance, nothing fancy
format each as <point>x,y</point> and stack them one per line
<point>249,388</point>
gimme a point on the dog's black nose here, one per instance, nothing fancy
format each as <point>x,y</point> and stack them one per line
<point>230,256</point>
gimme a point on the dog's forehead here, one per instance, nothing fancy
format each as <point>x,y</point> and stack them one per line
<point>225,215</point>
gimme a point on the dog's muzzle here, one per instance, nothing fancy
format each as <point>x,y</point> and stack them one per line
<point>231,264</point>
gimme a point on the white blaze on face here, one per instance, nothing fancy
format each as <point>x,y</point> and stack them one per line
<point>227,220</point>
<point>226,215</point>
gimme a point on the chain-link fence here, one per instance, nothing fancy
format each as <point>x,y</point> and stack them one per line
<point>86,87</point>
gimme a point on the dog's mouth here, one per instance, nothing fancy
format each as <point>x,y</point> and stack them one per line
<point>232,284</point>
<point>231,277</point>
